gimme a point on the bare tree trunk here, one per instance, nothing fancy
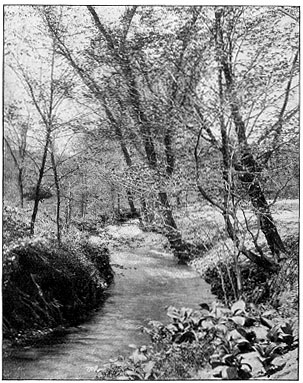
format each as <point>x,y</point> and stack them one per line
<point>57,185</point>
<point>118,204</point>
<point>19,166</point>
<point>20,183</point>
<point>130,200</point>
<point>68,214</point>
<point>125,152</point>
<point>39,182</point>
<point>172,233</point>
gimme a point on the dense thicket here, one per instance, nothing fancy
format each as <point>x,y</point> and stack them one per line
<point>46,285</point>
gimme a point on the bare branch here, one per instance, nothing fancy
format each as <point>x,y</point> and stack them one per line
<point>288,14</point>
<point>12,152</point>
<point>126,21</point>
<point>109,40</point>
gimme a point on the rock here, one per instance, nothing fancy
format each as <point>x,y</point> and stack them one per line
<point>290,371</point>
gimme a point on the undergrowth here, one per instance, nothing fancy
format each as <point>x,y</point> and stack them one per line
<point>279,289</point>
<point>239,342</point>
<point>236,341</point>
<point>46,285</point>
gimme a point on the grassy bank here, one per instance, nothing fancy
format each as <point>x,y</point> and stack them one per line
<point>216,266</point>
<point>46,285</point>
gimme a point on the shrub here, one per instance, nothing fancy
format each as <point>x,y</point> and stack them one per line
<point>255,281</point>
<point>14,225</point>
<point>236,342</point>
<point>45,285</point>
<point>91,225</point>
<point>284,287</point>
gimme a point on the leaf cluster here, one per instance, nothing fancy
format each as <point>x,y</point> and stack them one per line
<point>238,343</point>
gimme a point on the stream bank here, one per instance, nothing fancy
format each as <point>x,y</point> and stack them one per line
<point>141,280</point>
<point>268,327</point>
<point>147,280</point>
<point>47,286</point>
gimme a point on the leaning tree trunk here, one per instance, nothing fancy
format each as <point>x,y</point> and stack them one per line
<point>138,112</point>
<point>262,209</point>
<point>39,182</point>
<point>171,231</point>
<point>249,168</point>
<point>125,152</point>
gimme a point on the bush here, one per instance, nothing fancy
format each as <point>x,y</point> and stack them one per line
<point>91,225</point>
<point>284,287</point>
<point>45,285</point>
<point>258,284</point>
<point>14,225</point>
<point>237,343</point>
<point>255,281</point>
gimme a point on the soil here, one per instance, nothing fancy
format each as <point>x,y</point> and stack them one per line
<point>290,370</point>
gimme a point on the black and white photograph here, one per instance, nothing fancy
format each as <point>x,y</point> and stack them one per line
<point>150,192</point>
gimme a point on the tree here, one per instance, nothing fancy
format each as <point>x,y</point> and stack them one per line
<point>15,138</point>
<point>115,55</point>
<point>244,95</point>
<point>203,96</point>
<point>46,83</point>
<point>248,166</point>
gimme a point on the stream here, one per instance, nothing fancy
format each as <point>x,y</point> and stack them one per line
<point>146,283</point>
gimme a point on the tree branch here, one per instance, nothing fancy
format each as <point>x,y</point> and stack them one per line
<point>12,152</point>
<point>110,42</point>
<point>127,19</point>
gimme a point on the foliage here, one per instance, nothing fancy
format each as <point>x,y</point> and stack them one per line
<point>46,285</point>
<point>237,342</point>
<point>279,289</point>
<point>89,224</point>
<point>284,287</point>
<point>143,94</point>
<point>14,225</point>
<point>255,286</point>
<point>44,193</point>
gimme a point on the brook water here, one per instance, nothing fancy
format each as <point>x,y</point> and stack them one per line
<point>146,282</point>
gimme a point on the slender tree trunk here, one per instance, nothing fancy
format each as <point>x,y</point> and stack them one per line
<point>139,114</point>
<point>143,213</point>
<point>83,195</point>
<point>125,152</point>
<point>19,166</point>
<point>118,204</point>
<point>20,183</point>
<point>39,182</point>
<point>130,200</point>
<point>68,215</point>
<point>57,185</point>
